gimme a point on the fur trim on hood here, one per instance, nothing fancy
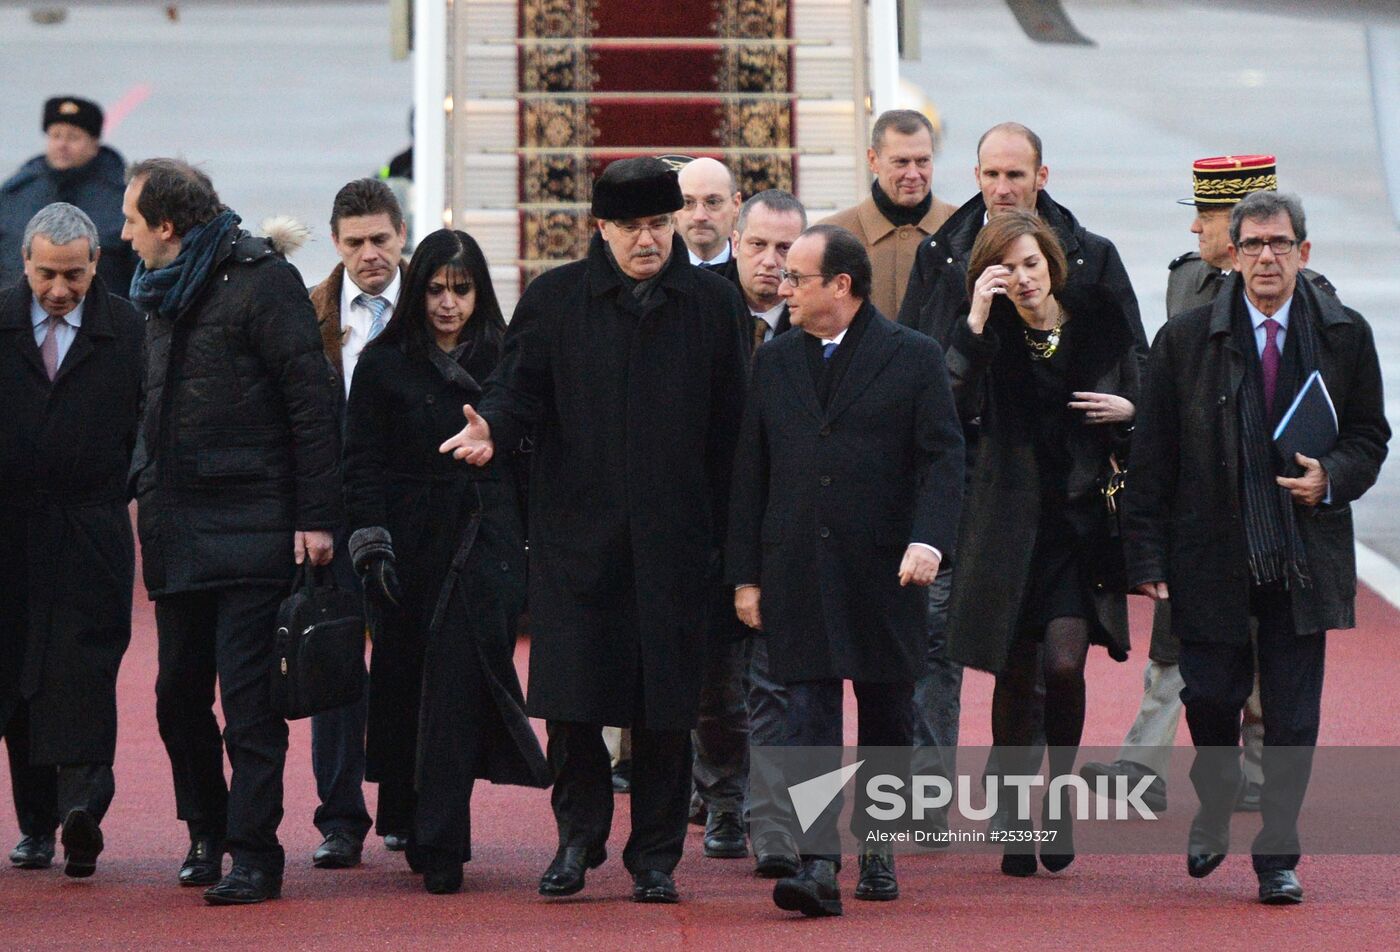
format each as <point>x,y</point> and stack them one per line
<point>286,234</point>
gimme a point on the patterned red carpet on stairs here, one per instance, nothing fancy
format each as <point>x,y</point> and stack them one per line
<point>950,901</point>
<point>603,79</point>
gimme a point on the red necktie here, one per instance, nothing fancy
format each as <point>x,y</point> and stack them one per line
<point>1269,362</point>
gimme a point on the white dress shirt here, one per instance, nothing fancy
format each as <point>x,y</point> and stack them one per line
<point>355,320</point>
<point>720,258</point>
<point>1258,317</point>
<point>67,329</point>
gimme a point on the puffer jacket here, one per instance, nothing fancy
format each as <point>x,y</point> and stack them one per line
<point>239,444</point>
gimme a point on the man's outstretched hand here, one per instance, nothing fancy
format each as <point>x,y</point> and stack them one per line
<point>473,442</point>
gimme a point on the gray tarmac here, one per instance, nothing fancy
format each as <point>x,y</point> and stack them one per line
<point>283,103</point>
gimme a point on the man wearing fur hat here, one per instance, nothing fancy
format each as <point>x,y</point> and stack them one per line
<point>629,367</point>
<point>78,169</point>
<point>236,473</point>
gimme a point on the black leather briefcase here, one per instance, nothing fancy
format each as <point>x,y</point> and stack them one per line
<point>320,659</point>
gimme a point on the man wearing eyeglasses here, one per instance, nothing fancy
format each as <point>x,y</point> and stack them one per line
<point>629,368</point>
<point>847,490</point>
<point>1237,536</point>
<point>1218,185</point>
<point>706,218</point>
<point>740,704</point>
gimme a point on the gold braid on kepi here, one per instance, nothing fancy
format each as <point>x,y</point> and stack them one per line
<point>1223,180</point>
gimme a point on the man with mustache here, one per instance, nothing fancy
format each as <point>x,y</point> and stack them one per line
<point>629,369</point>
<point>706,219</point>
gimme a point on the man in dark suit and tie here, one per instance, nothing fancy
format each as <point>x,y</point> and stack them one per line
<point>740,703</point>
<point>1234,533</point>
<point>70,383</point>
<point>847,490</point>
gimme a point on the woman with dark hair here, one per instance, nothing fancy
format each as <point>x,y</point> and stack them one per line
<point>1051,376</point>
<point>440,547</point>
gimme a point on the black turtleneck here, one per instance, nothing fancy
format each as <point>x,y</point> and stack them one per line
<point>900,214</point>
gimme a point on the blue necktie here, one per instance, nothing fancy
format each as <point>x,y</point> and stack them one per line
<point>377,306</point>
<point>828,350</point>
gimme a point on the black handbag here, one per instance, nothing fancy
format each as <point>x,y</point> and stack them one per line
<point>1110,568</point>
<point>320,659</point>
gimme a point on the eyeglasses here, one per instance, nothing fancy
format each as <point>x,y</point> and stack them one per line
<point>1279,246</point>
<point>632,229</point>
<point>795,278</point>
<point>712,203</point>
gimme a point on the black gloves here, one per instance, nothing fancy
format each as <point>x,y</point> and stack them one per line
<point>381,581</point>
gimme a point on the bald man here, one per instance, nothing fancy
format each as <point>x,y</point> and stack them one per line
<point>706,221</point>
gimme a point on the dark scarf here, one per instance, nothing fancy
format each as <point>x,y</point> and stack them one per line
<point>1276,551</point>
<point>171,289</point>
<point>899,214</point>
<point>641,290</point>
<point>451,364</point>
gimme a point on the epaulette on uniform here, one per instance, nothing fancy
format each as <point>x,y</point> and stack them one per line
<point>1180,260</point>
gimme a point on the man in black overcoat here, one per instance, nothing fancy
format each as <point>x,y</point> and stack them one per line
<point>737,698</point>
<point>847,490</point>
<point>629,366</point>
<point>70,383</point>
<point>237,477</point>
<point>1234,533</point>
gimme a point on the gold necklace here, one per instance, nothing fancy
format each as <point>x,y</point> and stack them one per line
<point>1044,350</point>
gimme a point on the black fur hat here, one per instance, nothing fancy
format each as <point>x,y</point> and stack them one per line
<point>636,188</point>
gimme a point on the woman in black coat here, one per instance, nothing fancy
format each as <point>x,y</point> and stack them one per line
<point>440,547</point>
<point>1052,376</point>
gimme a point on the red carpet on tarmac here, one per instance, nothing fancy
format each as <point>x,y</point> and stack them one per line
<point>952,901</point>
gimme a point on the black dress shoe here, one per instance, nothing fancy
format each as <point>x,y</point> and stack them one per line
<point>204,863</point>
<point>652,885</point>
<point>1154,797</point>
<point>1206,845</point>
<point>565,874</point>
<point>82,841</point>
<point>724,836</point>
<point>243,886</point>
<point>395,842</point>
<point>812,892</point>
<point>33,852</point>
<point>1248,799</point>
<point>776,865</point>
<point>339,850</point>
<point>1280,887</point>
<point>877,882</point>
<point>444,881</point>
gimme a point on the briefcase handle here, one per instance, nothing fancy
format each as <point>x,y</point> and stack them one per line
<point>309,576</point>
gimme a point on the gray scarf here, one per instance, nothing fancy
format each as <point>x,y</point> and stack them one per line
<point>1276,552</point>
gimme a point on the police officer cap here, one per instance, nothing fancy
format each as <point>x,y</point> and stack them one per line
<point>636,188</point>
<point>83,113</point>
